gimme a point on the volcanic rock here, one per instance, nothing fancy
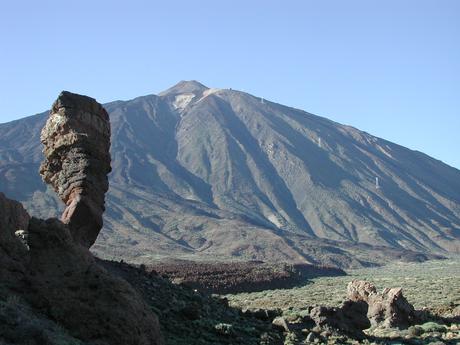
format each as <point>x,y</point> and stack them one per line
<point>55,272</point>
<point>76,141</point>
<point>390,309</point>
<point>365,307</point>
<point>350,318</point>
<point>13,217</point>
<point>387,309</point>
<point>281,324</point>
<point>81,295</point>
<point>359,290</point>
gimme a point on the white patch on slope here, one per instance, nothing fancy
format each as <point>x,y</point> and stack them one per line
<point>181,101</point>
<point>381,149</point>
<point>274,219</point>
<point>209,92</point>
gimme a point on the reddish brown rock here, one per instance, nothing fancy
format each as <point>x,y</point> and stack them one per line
<point>390,309</point>
<point>54,271</point>
<point>387,309</point>
<point>76,141</point>
<point>359,290</point>
<point>365,307</point>
<point>71,288</point>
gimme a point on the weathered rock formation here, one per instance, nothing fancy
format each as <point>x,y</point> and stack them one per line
<point>387,309</point>
<point>360,290</point>
<point>76,141</point>
<point>55,272</point>
<point>70,287</point>
<point>365,307</point>
<point>349,318</point>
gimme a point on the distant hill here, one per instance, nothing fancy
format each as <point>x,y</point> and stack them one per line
<point>208,174</point>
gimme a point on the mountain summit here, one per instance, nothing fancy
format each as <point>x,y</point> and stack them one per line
<point>207,173</point>
<point>183,87</point>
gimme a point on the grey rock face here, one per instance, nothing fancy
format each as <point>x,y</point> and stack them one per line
<point>76,141</point>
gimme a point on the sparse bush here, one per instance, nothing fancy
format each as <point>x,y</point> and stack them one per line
<point>415,331</point>
<point>224,328</point>
<point>433,327</point>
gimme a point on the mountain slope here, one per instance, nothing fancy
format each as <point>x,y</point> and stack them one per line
<point>217,173</point>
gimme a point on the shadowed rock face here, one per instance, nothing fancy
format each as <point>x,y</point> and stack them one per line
<point>82,296</point>
<point>349,318</point>
<point>366,307</point>
<point>13,217</point>
<point>388,308</point>
<point>77,160</point>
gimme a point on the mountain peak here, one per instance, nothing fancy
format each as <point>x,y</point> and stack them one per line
<point>185,86</point>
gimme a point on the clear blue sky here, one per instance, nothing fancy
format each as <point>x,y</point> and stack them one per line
<point>391,68</point>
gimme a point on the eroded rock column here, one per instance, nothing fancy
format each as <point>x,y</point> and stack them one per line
<point>76,141</point>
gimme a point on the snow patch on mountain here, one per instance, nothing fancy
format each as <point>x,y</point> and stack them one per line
<point>181,101</point>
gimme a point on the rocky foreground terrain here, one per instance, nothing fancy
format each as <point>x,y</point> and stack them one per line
<point>217,174</point>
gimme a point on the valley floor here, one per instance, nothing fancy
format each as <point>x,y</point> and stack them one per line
<point>433,284</point>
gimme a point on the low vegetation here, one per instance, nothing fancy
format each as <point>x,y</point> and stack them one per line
<point>433,286</point>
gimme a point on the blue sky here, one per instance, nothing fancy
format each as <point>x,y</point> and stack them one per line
<point>391,68</point>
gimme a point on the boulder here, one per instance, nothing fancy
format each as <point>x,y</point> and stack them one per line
<point>281,324</point>
<point>359,290</point>
<point>390,309</point>
<point>386,309</point>
<point>365,307</point>
<point>350,318</point>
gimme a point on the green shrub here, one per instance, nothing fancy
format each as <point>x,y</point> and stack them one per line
<point>433,327</point>
<point>224,328</point>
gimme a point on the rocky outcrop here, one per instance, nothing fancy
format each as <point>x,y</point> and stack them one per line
<point>350,318</point>
<point>365,307</point>
<point>359,290</point>
<point>81,295</point>
<point>13,217</point>
<point>76,141</point>
<point>386,309</point>
<point>55,272</point>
